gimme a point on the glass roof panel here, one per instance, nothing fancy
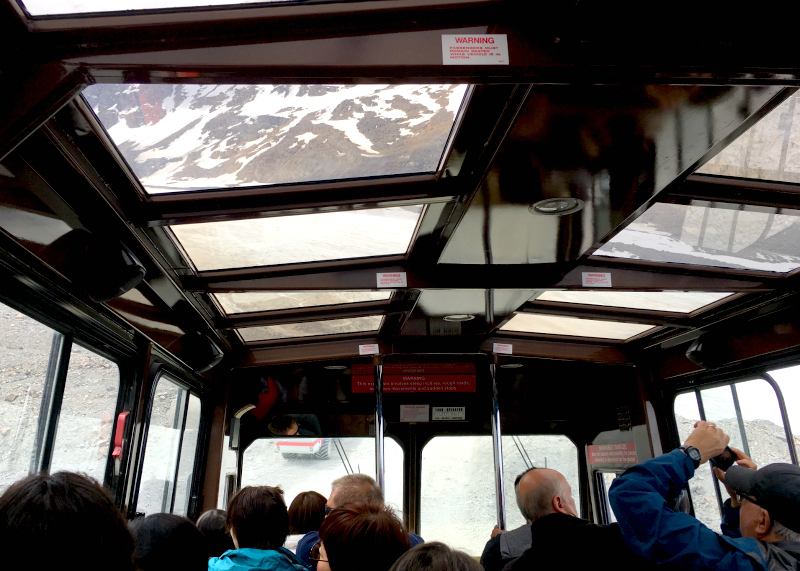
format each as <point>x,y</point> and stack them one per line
<point>769,150</point>
<point>249,301</point>
<point>712,234</point>
<point>671,301</point>
<point>61,7</point>
<point>300,238</point>
<point>185,137</point>
<point>370,323</point>
<point>574,326</point>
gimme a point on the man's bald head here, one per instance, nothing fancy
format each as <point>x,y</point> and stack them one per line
<point>354,489</point>
<point>542,492</point>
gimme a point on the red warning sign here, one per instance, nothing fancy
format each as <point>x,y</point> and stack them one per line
<point>617,453</point>
<point>417,378</point>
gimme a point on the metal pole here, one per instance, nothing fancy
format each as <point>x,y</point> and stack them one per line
<point>787,427</point>
<point>380,463</point>
<point>497,446</point>
<point>740,419</point>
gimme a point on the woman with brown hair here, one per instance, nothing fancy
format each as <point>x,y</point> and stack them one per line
<point>306,513</point>
<point>360,537</point>
<point>258,523</point>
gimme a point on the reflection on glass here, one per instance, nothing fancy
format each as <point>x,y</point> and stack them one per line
<point>195,137</point>
<point>711,234</point>
<point>86,421</point>
<point>671,301</point>
<point>312,328</point>
<point>701,486</point>
<point>263,464</point>
<point>574,326</point>
<point>298,239</point>
<point>57,7</point>
<point>249,301</point>
<point>768,150</point>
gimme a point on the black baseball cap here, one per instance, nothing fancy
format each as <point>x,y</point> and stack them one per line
<point>776,488</point>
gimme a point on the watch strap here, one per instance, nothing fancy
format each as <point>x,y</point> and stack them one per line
<point>693,454</point>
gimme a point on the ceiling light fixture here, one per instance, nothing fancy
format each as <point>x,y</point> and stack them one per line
<point>556,206</point>
<point>336,367</point>
<point>511,366</point>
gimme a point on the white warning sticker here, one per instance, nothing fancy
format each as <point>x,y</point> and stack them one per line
<point>392,279</point>
<point>475,49</point>
<point>596,279</point>
<point>449,413</point>
<point>414,413</point>
<point>503,348</point>
<point>371,349</point>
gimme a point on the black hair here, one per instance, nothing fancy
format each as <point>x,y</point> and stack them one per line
<point>258,517</point>
<point>167,541</point>
<point>306,512</point>
<point>213,525</point>
<point>435,556</point>
<point>281,423</point>
<point>62,517</point>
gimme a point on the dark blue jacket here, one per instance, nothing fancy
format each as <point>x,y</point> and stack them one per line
<point>308,540</point>
<point>652,530</point>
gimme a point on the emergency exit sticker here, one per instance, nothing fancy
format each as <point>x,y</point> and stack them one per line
<point>503,348</point>
<point>475,49</point>
<point>414,413</point>
<point>392,279</point>
<point>371,349</point>
<point>596,279</point>
<point>617,453</point>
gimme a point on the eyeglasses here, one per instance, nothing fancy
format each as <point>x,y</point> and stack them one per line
<point>314,558</point>
<point>328,509</point>
<point>741,497</point>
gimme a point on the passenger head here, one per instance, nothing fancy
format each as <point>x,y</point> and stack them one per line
<point>306,512</point>
<point>213,525</point>
<point>361,537</point>
<point>283,424</point>
<point>66,515</point>
<point>542,492</point>
<point>770,501</point>
<point>354,489</point>
<point>257,518</point>
<point>435,556</point>
<point>167,541</point>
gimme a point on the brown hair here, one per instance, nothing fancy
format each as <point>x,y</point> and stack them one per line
<point>435,556</point>
<point>363,537</point>
<point>258,517</point>
<point>306,512</point>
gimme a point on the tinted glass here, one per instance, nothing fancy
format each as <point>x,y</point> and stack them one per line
<point>298,239</point>
<point>671,301</point>
<point>86,422</point>
<point>574,326</point>
<point>248,301</point>
<point>312,328</point>
<point>25,350</point>
<point>192,137</point>
<point>768,150</point>
<point>711,234</point>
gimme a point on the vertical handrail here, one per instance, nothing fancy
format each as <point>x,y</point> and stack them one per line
<point>787,428</point>
<point>380,464</point>
<point>740,419</point>
<point>497,447</point>
<point>701,409</point>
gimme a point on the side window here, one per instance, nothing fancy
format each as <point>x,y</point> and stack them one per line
<point>748,411</point>
<point>170,449</point>
<point>29,353</point>
<point>788,380</point>
<point>267,462</point>
<point>87,414</point>
<point>458,486</point>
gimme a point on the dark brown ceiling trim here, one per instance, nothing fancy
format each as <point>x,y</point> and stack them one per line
<point>738,191</point>
<point>606,314</point>
<point>594,353</point>
<point>298,352</point>
<point>305,314</point>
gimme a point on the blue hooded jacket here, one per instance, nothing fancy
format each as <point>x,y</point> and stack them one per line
<point>249,559</point>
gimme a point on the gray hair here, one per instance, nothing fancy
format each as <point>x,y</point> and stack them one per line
<point>785,533</point>
<point>356,489</point>
<point>539,501</point>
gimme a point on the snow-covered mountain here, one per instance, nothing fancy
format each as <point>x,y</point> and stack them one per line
<point>191,137</point>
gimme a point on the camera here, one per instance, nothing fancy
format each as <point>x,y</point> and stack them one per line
<point>724,460</point>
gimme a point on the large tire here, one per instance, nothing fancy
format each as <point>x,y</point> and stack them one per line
<point>324,451</point>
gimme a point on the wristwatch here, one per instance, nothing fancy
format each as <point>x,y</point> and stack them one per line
<point>693,453</point>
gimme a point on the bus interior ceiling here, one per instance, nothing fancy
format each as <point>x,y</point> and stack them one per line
<point>270,201</point>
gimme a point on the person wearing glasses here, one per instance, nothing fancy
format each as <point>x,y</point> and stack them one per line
<point>768,509</point>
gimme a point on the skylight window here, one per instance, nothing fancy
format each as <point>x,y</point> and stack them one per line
<point>668,301</point>
<point>712,234</point>
<point>370,323</point>
<point>300,238</point>
<point>769,150</point>
<point>63,7</point>
<point>574,327</point>
<point>250,301</point>
<point>186,137</point>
